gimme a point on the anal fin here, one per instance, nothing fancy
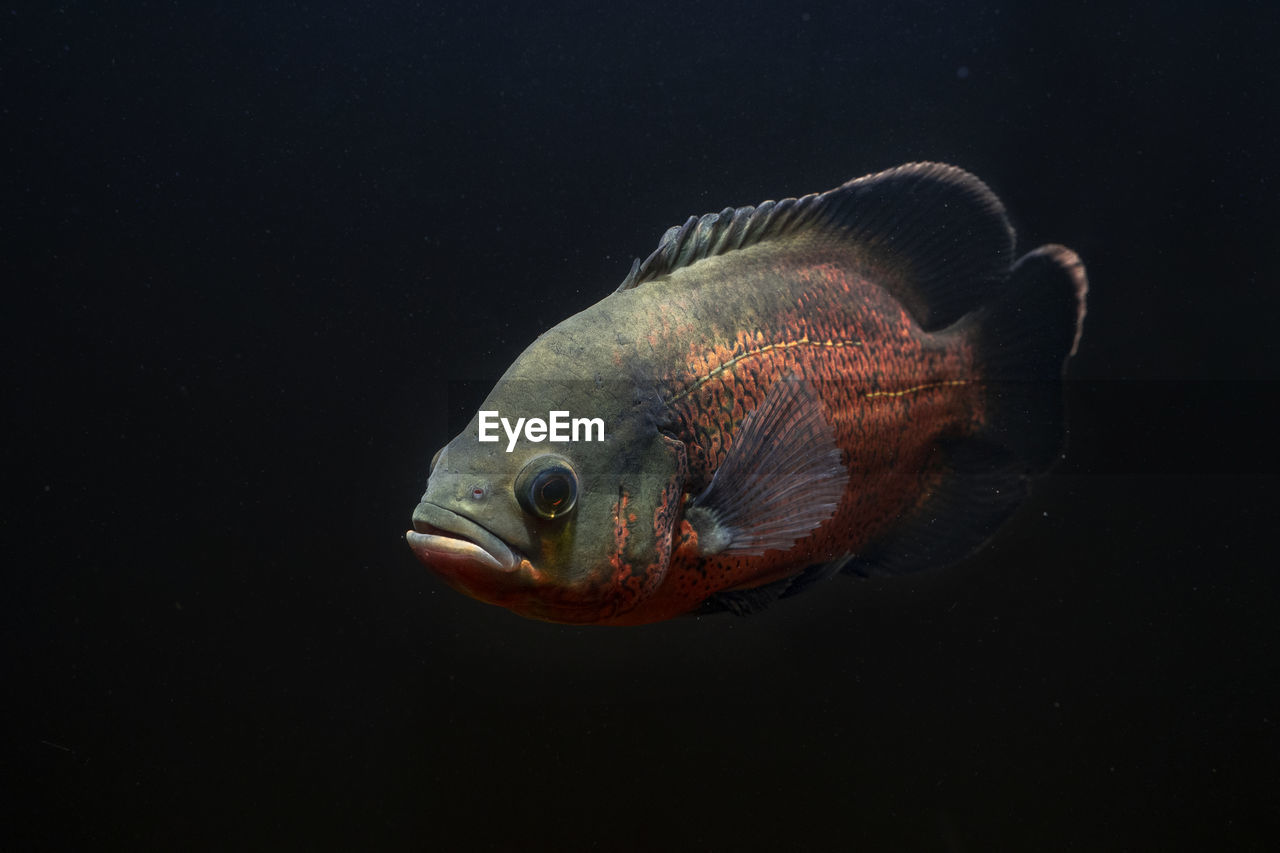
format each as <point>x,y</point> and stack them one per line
<point>744,602</point>
<point>983,485</point>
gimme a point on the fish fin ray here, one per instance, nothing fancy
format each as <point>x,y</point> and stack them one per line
<point>937,236</point>
<point>1024,340</point>
<point>630,281</point>
<point>781,479</point>
<point>744,602</point>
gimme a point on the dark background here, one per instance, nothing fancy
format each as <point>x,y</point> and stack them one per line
<point>259,259</point>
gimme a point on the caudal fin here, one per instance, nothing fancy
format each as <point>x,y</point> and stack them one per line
<point>1024,341</point>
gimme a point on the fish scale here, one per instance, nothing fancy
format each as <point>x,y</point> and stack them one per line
<point>869,385</point>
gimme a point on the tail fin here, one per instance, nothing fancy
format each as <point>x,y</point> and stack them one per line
<point>1024,341</point>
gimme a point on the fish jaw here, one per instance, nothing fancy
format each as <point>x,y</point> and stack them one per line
<point>513,583</point>
<point>463,553</point>
<point>477,563</point>
<point>431,547</point>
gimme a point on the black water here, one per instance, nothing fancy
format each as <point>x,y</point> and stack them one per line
<point>248,252</point>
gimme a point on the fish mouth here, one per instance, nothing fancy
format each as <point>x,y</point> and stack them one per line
<point>475,562</point>
<point>444,540</point>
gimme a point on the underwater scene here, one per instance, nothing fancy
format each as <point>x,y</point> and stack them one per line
<point>786,426</point>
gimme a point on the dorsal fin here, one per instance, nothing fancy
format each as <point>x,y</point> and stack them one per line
<point>940,234</point>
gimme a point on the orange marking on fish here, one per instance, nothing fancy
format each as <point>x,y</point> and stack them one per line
<point>915,388</point>
<point>620,532</point>
<point>759,351</point>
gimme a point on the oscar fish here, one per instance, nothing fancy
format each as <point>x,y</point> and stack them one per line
<point>861,381</point>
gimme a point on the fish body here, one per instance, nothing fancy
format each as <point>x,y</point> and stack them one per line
<point>860,381</point>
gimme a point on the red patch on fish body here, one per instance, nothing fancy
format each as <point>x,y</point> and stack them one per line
<point>890,390</point>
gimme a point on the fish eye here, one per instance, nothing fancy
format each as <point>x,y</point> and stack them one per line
<point>547,487</point>
<point>434,460</point>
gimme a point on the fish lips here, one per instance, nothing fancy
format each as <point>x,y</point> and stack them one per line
<point>474,561</point>
<point>448,541</point>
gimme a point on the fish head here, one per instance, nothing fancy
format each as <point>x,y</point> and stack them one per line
<point>568,532</point>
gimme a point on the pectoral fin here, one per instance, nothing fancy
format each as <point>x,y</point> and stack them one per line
<point>782,477</point>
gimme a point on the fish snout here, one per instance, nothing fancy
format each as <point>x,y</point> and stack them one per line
<point>443,537</point>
